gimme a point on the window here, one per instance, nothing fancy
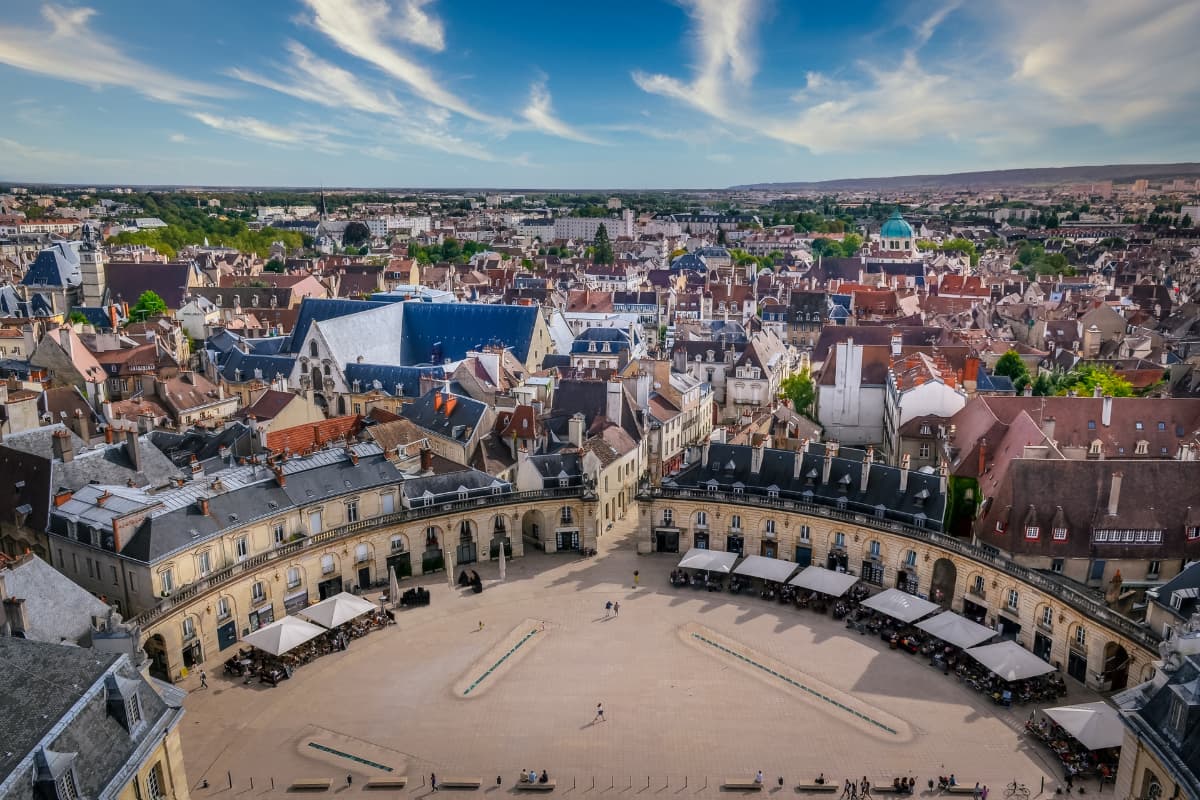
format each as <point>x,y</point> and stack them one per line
<point>668,517</point>
<point>352,511</point>
<point>90,570</point>
<point>805,533</point>
<point>314,522</point>
<point>873,548</point>
<point>565,516</point>
<point>241,547</point>
<point>1056,566</point>
<point>154,782</point>
<point>397,544</point>
<point>977,586</point>
<point>387,503</point>
<point>739,490</point>
<point>910,558</point>
<point>67,790</point>
<point>701,519</point>
<point>1094,450</point>
<point>133,711</point>
<point>166,579</point>
<point>277,534</point>
<point>999,526</point>
<point>1138,425</point>
<point>189,628</point>
<point>222,608</point>
<point>116,576</point>
<point>1060,534</point>
<point>204,563</point>
<point>1091,424</point>
<point>925,450</point>
<point>327,564</point>
<point>1031,531</point>
<point>1152,569</point>
<point>773,492</point>
<point>258,592</point>
<point>431,537</point>
<point>1143,447</point>
<point>131,579</point>
<point>1014,599</point>
<point>839,539</point>
<point>770,527</point>
<point>312,350</point>
<point>1193,532</point>
<point>1080,636</point>
<point>1162,426</point>
<point>712,488</point>
<point>735,522</point>
<point>1047,620</point>
<point>293,577</point>
<point>361,553</point>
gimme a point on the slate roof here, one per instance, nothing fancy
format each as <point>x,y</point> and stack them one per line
<point>251,365</point>
<point>429,412</point>
<point>313,310</point>
<point>728,464</point>
<point>1148,709</point>
<point>555,466</point>
<point>386,377</point>
<point>57,265</point>
<point>127,280</point>
<point>436,331</point>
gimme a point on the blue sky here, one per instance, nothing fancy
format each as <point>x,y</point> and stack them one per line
<point>694,93</point>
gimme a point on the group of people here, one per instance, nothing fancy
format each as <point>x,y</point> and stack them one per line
<point>532,777</point>
<point>852,790</point>
<point>904,785</point>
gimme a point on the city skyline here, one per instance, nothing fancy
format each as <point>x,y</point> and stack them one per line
<point>700,93</point>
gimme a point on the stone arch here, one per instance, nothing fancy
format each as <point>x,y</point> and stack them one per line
<point>466,542</point>
<point>1115,668</point>
<point>500,536</point>
<point>943,581</point>
<point>533,527</point>
<point>156,650</point>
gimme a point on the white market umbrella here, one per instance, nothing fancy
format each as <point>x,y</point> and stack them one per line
<point>1009,661</point>
<point>901,605</point>
<point>337,610</point>
<point>393,587</point>
<point>503,563</point>
<point>282,635</point>
<point>956,629</point>
<point>1096,726</point>
<point>713,560</point>
<point>769,569</point>
<point>825,581</point>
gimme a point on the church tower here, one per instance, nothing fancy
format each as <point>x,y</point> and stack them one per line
<point>91,268</point>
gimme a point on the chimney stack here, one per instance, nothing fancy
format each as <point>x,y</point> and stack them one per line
<point>131,448</point>
<point>797,464</point>
<point>830,450</point>
<point>1114,494</point>
<point>613,405</point>
<point>15,616</point>
<point>202,504</point>
<point>866,474</point>
<point>60,442</point>
<point>756,457</point>
<point>944,478</point>
<point>897,344</point>
<point>905,463</point>
<point>982,456</point>
<point>1048,428</point>
<point>1106,411</point>
<point>108,434</point>
<point>426,458</point>
<point>575,429</point>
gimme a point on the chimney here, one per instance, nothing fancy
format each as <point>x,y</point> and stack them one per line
<point>280,478</point>
<point>426,459</point>
<point>1028,390</point>
<point>982,456</point>
<point>202,505</point>
<point>575,429</point>
<point>60,441</point>
<point>756,457</point>
<point>1097,392</point>
<point>62,496</point>
<point>613,406</point>
<point>64,339</point>
<point>944,479</point>
<point>830,449</point>
<point>897,344</point>
<point>1048,427</point>
<point>905,463</point>
<point>197,469</point>
<point>108,434</point>
<point>704,454</point>
<point>131,448</point>
<point>1114,494</point>
<point>865,477</point>
<point>797,464</point>
<point>1106,411</point>
<point>15,616</point>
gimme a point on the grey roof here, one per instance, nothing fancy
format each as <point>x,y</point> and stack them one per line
<point>447,486</point>
<point>429,413</point>
<point>99,464</point>
<point>386,377</point>
<point>1148,710</point>
<point>555,466</point>
<point>57,608</point>
<point>239,366</point>
<point>921,500</point>
<point>40,684</point>
<point>314,309</point>
<point>57,265</point>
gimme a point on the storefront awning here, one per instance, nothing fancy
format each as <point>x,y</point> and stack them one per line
<point>956,629</point>
<point>770,569</point>
<point>714,560</point>
<point>282,635</point>
<point>337,610</point>
<point>825,581</point>
<point>1096,726</point>
<point>900,605</point>
<point>1009,661</point>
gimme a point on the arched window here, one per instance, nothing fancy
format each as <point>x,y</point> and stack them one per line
<point>361,553</point>
<point>397,544</point>
<point>735,522</point>
<point>499,526</point>
<point>464,532</point>
<point>668,517</point>
<point>312,349</point>
<point>327,564</point>
<point>327,371</point>
<point>431,538</point>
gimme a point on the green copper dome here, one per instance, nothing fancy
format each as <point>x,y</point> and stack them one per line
<point>896,228</point>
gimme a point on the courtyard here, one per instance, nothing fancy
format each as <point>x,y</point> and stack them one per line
<point>697,687</point>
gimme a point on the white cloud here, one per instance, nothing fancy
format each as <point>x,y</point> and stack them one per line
<point>71,49</point>
<point>365,28</point>
<point>304,134</point>
<point>178,138</point>
<point>418,27</point>
<point>316,80</point>
<point>539,113</point>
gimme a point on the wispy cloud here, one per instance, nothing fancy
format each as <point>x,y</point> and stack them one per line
<point>313,79</point>
<point>300,134</point>
<point>178,138</point>
<point>367,29</point>
<point>539,113</point>
<point>70,49</point>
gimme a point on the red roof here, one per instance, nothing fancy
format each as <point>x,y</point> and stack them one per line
<point>310,436</point>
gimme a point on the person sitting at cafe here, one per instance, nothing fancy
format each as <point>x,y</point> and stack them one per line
<point>896,785</point>
<point>533,776</point>
<point>545,777</point>
<point>820,781</point>
<point>952,781</point>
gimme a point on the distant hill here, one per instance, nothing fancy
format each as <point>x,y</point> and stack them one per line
<point>1036,176</point>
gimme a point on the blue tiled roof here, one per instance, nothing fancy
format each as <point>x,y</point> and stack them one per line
<point>896,228</point>
<point>388,376</point>
<point>431,415</point>
<point>268,366</point>
<point>994,383</point>
<point>57,265</point>
<point>96,316</point>
<point>315,310</point>
<point>690,261</point>
<point>437,331</point>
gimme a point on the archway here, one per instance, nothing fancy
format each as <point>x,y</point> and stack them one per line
<point>399,558</point>
<point>465,552</point>
<point>156,651</point>
<point>700,530</point>
<point>500,537</point>
<point>533,528</point>
<point>1116,667</point>
<point>941,585</point>
<point>432,558</point>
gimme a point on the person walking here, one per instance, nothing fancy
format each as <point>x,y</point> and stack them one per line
<point>853,790</point>
<point>758,777</point>
<point>481,625</point>
<point>203,679</point>
<point>977,791</point>
<point>349,780</point>
<point>617,608</point>
<point>433,781</point>
<point>608,609</point>
<point>599,713</point>
<point>845,790</point>
<point>865,788</point>
<point>983,795</point>
<point>635,579</point>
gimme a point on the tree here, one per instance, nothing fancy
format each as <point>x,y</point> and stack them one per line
<point>603,247</point>
<point>799,388</point>
<point>451,249</point>
<point>148,304</point>
<point>1084,381</point>
<point>274,265</point>
<point>356,234</point>
<point>1011,366</point>
<point>77,318</point>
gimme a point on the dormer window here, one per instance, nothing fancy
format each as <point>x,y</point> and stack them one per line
<point>1193,532</point>
<point>1143,447</point>
<point>1094,450</point>
<point>1060,534</point>
<point>1031,531</point>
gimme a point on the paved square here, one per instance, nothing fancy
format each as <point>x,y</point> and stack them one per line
<point>675,710</point>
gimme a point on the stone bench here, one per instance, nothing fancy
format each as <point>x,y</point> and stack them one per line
<point>387,783</point>
<point>819,787</point>
<point>311,785</point>
<point>887,788</point>
<point>526,786</point>
<point>960,788</point>
<point>741,785</point>
<point>459,783</point>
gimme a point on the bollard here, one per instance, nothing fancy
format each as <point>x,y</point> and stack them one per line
<point>251,781</point>
<point>272,783</point>
<point>647,781</point>
<point>229,774</point>
<point>1043,789</point>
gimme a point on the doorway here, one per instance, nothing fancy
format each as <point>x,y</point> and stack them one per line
<point>329,588</point>
<point>837,562</point>
<point>401,563</point>
<point>941,586</point>
<point>1042,646</point>
<point>701,540</point>
<point>192,655</point>
<point>1116,667</point>
<point>666,542</point>
<point>803,556</point>
<point>226,635</point>
<point>1077,666</point>
<point>364,577</point>
<point>734,544</point>
<point>768,549</point>
<point>1008,628</point>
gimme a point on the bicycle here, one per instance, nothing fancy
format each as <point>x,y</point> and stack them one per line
<point>1015,789</point>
